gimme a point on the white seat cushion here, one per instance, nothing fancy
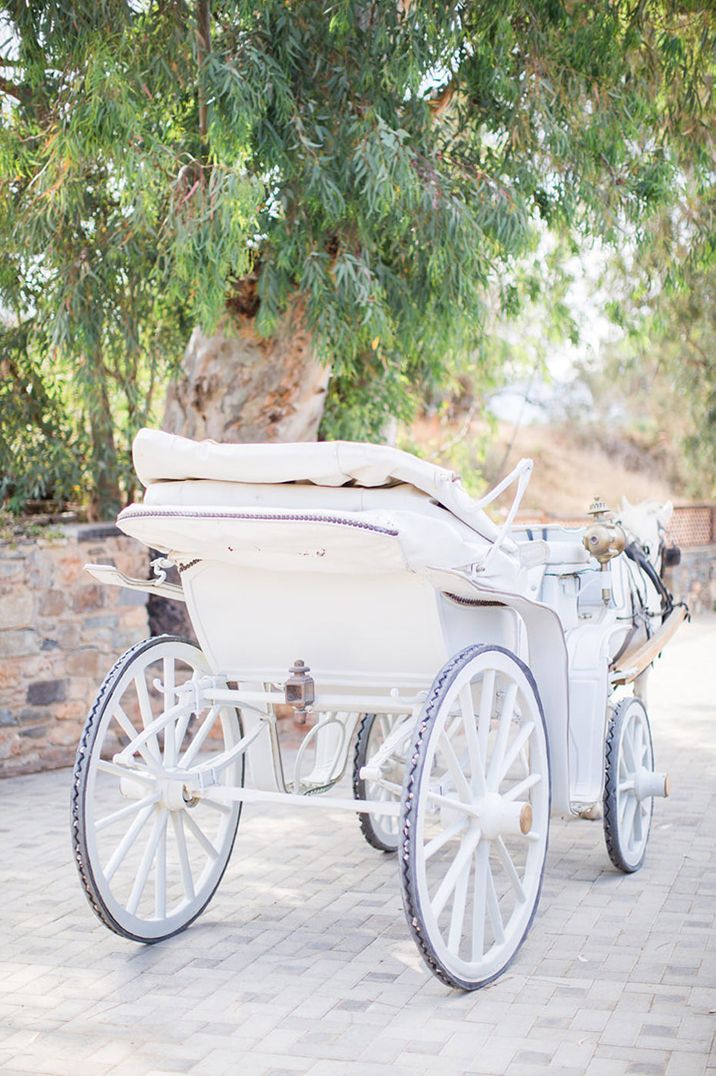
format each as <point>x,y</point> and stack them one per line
<point>161,457</point>
<point>280,538</point>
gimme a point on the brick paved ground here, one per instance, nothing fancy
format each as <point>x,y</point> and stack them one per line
<point>302,963</point>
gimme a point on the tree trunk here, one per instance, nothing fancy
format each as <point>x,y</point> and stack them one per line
<point>237,386</point>
<point>241,387</point>
<point>105,500</point>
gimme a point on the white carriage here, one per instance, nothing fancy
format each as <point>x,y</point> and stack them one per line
<point>468,672</point>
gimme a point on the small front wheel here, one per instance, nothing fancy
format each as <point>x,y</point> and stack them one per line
<point>630,785</point>
<point>149,856</point>
<point>475,817</point>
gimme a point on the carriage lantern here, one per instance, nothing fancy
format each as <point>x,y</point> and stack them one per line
<point>300,690</point>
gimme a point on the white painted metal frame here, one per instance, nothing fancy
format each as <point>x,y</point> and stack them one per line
<point>259,744</point>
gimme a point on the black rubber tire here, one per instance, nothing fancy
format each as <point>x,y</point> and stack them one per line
<point>612,837</point>
<point>408,828</point>
<point>360,756</point>
<point>79,785</point>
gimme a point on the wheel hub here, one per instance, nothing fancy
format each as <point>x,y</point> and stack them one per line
<point>500,817</point>
<point>174,795</point>
<point>649,783</point>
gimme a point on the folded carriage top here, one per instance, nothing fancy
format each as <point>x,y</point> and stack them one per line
<point>162,457</point>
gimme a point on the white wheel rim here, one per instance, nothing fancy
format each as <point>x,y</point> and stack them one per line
<point>390,787</point>
<point>634,753</point>
<point>156,867</point>
<point>477,892</point>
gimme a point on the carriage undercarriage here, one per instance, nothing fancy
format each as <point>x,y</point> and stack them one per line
<point>455,763</point>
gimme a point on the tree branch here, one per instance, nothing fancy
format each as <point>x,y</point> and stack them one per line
<point>439,103</point>
<point>203,36</point>
<point>20,93</point>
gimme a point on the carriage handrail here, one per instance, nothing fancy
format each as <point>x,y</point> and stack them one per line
<point>520,474</point>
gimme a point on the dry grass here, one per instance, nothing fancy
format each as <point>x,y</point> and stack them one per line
<point>569,468</point>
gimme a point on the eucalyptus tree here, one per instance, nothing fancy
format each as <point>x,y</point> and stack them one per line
<point>313,188</point>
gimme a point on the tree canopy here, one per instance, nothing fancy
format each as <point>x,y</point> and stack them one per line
<point>379,166</point>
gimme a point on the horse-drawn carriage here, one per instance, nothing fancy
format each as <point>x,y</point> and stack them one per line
<point>470,673</point>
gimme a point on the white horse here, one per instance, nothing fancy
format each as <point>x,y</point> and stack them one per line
<point>645,525</point>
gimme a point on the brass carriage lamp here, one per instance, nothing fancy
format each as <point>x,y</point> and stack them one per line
<point>603,539</point>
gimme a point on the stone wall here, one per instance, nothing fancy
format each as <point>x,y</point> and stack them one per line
<point>60,633</point>
<point>694,580</point>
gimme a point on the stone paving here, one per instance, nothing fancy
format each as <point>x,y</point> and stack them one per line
<point>302,963</point>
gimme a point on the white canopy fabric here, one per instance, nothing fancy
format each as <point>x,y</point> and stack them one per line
<point>161,457</point>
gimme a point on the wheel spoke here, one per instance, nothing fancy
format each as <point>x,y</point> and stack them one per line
<point>477,766</point>
<point>629,752</point>
<point>198,742</point>
<point>623,808</point>
<point>503,732</point>
<point>511,870</point>
<point>160,880</point>
<point>168,684</point>
<point>201,837</point>
<point>184,865</point>
<point>637,825</point>
<point>117,857</point>
<point>516,748</point>
<point>124,771</point>
<point>145,749</point>
<point>180,728</point>
<point>461,786</point>
<point>145,708</point>
<point>467,847</point>
<point>493,907</point>
<point>487,698</point>
<point>452,804</point>
<point>629,818</point>
<point>437,843</point>
<point>457,916</point>
<point>389,787</point>
<point>146,864</point>
<point>525,785</point>
<point>479,901</point>
<point>125,812</point>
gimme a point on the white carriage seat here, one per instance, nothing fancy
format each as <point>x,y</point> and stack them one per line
<point>206,501</point>
<point>161,457</point>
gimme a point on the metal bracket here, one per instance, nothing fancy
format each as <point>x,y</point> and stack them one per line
<point>111,576</point>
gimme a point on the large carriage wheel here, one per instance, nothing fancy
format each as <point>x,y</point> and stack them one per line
<point>380,831</point>
<point>150,859</point>
<point>630,785</point>
<point>475,816</point>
